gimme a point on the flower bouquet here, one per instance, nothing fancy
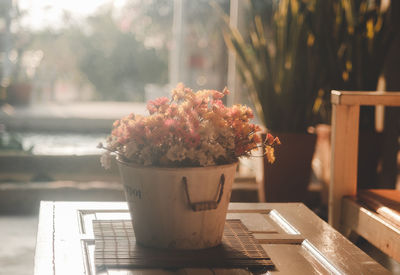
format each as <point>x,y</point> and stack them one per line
<point>178,165</point>
<point>191,129</point>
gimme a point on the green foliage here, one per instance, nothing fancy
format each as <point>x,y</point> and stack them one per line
<point>116,62</point>
<point>293,58</point>
<point>100,53</point>
<point>275,65</point>
<point>353,39</point>
<point>11,142</point>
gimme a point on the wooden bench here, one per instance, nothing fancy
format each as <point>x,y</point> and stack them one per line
<point>372,214</point>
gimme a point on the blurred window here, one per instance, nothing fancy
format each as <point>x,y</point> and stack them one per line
<point>99,60</point>
<point>107,50</point>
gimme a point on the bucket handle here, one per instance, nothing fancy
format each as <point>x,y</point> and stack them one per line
<point>205,205</point>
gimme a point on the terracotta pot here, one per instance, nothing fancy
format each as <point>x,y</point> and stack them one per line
<point>287,179</point>
<point>19,94</point>
<point>178,208</point>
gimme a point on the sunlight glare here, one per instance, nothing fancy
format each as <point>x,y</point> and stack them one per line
<point>49,13</point>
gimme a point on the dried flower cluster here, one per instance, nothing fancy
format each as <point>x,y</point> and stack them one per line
<point>191,129</point>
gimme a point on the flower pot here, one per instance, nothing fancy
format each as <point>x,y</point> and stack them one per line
<point>287,179</point>
<point>178,208</point>
<point>19,94</point>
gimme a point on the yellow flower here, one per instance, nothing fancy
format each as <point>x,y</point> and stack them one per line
<point>270,153</point>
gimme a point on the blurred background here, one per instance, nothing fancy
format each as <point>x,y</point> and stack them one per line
<point>68,69</point>
<point>68,59</point>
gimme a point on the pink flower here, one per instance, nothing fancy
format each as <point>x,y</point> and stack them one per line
<point>157,104</point>
<point>160,101</point>
<point>194,128</point>
<point>234,112</point>
<point>172,110</point>
<point>217,95</point>
<point>116,123</point>
<point>270,138</point>
<point>192,139</point>
<point>170,123</point>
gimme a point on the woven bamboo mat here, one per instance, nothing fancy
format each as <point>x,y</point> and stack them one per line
<point>116,247</point>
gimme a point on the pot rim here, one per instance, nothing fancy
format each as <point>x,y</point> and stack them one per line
<point>150,167</point>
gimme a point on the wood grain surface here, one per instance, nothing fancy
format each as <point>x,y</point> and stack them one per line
<point>297,241</point>
<point>375,214</point>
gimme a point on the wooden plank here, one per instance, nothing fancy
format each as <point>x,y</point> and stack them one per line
<point>264,238</point>
<point>365,98</point>
<point>139,272</point>
<point>68,240</point>
<point>255,222</point>
<point>44,253</point>
<point>372,227</point>
<point>68,248</point>
<point>301,262</point>
<point>344,158</point>
<point>185,271</point>
<point>325,247</point>
<point>385,202</point>
<point>329,243</point>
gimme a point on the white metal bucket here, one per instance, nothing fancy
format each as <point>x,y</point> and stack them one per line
<point>178,208</point>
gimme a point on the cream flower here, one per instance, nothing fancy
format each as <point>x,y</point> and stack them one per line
<point>105,160</point>
<point>204,160</point>
<point>145,156</point>
<point>192,154</point>
<point>218,151</point>
<point>130,149</point>
<point>176,153</point>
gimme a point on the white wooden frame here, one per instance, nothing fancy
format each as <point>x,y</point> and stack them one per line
<point>347,215</point>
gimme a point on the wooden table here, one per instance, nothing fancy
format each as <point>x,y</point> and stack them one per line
<point>297,240</point>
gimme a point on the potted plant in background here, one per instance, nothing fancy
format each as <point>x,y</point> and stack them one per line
<point>279,72</point>
<point>178,165</point>
<point>357,44</point>
<point>18,63</point>
<point>294,54</point>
